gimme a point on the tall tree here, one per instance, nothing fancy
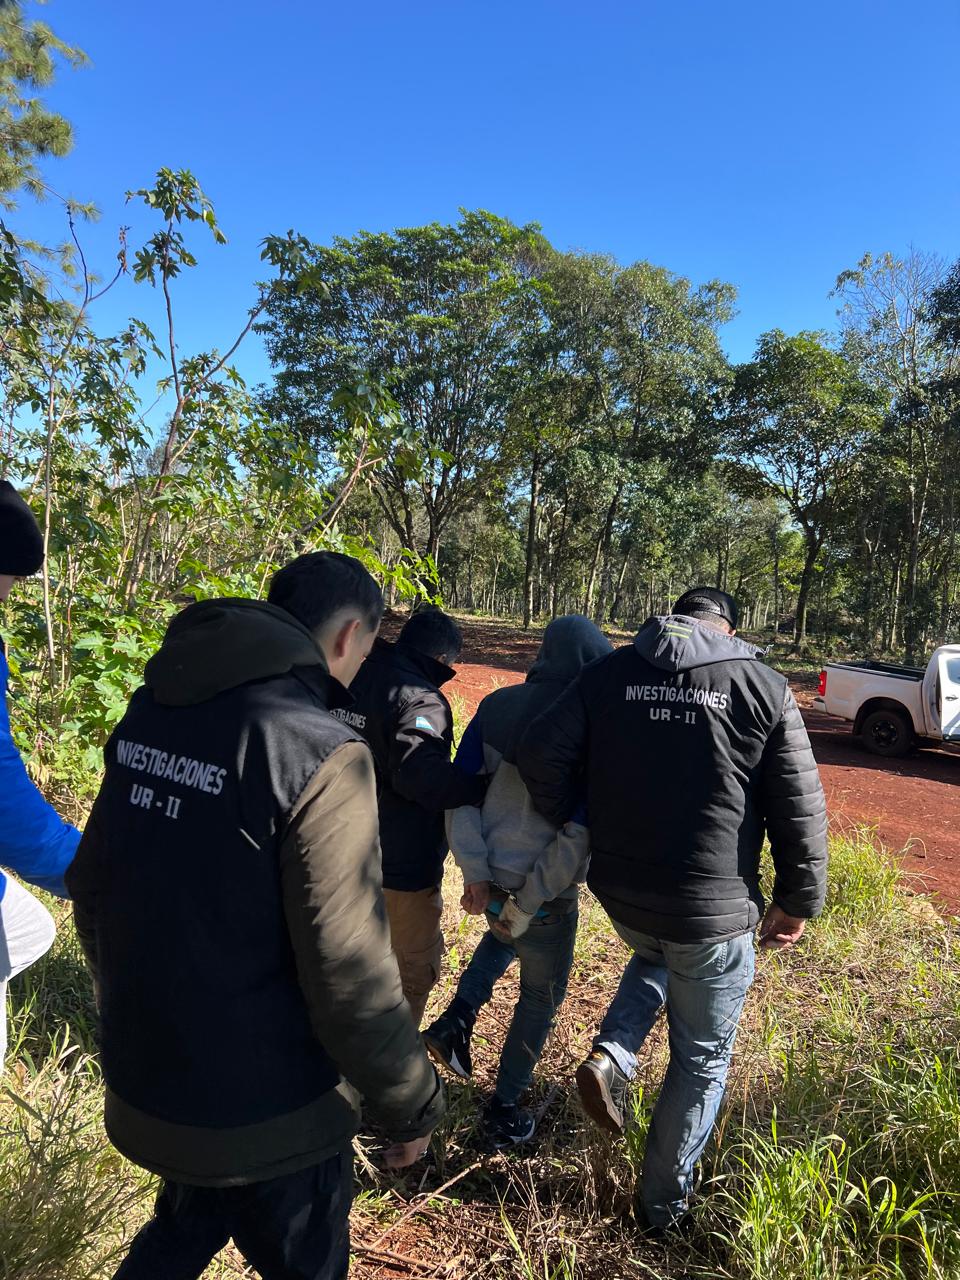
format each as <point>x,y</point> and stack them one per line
<point>439,314</point>
<point>890,330</point>
<point>800,416</point>
<point>643,343</point>
<point>29,131</point>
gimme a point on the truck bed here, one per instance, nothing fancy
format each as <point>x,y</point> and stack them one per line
<point>884,669</point>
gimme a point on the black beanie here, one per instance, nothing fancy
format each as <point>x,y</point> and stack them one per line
<point>21,542</point>
<point>708,600</point>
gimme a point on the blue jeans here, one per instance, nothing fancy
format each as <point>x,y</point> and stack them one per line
<point>703,985</point>
<point>545,952</point>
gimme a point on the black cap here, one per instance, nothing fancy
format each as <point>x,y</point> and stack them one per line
<point>708,600</point>
<point>21,542</point>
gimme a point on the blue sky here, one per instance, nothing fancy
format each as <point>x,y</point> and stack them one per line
<point>766,144</point>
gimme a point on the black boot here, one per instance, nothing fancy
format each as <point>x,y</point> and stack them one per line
<point>448,1038</point>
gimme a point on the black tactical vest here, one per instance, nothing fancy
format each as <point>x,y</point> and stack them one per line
<point>203,1020</point>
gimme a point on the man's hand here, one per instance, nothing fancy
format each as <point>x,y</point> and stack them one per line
<point>511,922</point>
<point>476,897</point>
<point>403,1154</point>
<point>778,930</point>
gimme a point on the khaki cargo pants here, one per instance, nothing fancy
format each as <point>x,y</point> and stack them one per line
<point>417,942</point>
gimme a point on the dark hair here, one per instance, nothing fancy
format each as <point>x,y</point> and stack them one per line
<point>316,586</point>
<point>433,632</point>
<point>708,604</point>
<point>710,618</point>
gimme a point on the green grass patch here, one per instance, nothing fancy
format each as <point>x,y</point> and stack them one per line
<point>837,1152</point>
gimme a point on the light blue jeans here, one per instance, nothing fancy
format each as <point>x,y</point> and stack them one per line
<point>545,952</point>
<point>703,985</point>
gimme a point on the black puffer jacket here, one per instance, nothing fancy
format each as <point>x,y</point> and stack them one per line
<point>690,750</point>
<point>399,709</point>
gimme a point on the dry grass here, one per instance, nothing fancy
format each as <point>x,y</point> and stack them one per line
<point>844,1086</point>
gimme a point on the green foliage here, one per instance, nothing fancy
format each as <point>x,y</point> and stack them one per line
<point>838,1144</point>
<point>143,519</point>
<point>439,314</point>
<point>28,130</point>
<point>800,420</point>
<point>177,197</point>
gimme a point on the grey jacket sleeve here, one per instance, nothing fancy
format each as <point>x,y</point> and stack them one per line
<point>465,838</point>
<point>562,864</point>
<point>795,811</point>
<point>333,899</point>
<point>551,755</point>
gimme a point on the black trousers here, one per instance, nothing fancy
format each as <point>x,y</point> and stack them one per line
<point>296,1227</point>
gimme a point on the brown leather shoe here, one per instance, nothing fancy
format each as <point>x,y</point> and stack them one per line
<point>603,1091</point>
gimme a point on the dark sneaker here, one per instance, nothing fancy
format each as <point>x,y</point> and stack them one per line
<point>448,1039</point>
<point>603,1091</point>
<point>682,1228</point>
<point>508,1124</point>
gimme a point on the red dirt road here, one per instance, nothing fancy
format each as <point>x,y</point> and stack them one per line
<point>914,802</point>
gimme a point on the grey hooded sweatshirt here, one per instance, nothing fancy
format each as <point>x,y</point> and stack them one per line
<point>506,840</point>
<point>691,751</point>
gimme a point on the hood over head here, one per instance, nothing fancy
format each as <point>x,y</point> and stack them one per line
<point>679,643</point>
<point>217,645</point>
<point>21,542</point>
<point>568,644</point>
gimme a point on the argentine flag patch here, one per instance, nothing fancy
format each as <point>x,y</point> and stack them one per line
<point>423,723</point>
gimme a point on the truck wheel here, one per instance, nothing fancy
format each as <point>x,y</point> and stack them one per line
<point>887,733</point>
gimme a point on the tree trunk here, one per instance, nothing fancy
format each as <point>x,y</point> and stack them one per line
<point>948,570</point>
<point>893,617</point>
<point>607,544</point>
<point>493,587</point>
<point>618,595</point>
<point>592,580</point>
<point>776,584</point>
<point>813,543</point>
<point>910,619</point>
<point>531,539</point>
<point>917,512</point>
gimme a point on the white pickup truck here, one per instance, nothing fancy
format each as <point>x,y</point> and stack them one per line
<point>892,706</point>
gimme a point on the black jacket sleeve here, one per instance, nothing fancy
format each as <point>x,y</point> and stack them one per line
<point>333,900</point>
<point>420,766</point>
<point>552,753</point>
<point>82,879</point>
<point>795,811</point>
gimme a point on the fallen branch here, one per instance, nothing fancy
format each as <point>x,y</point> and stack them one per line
<point>399,1259</point>
<point>420,1204</point>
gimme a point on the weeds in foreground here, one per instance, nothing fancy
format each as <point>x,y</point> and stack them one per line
<point>65,1193</point>
<point>837,1155</point>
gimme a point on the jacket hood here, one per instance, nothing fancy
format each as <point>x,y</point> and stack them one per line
<point>569,643</point>
<point>679,643</point>
<point>220,644</point>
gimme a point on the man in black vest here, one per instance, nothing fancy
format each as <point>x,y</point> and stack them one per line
<point>228,898</point>
<point>690,750</point>
<point>407,721</point>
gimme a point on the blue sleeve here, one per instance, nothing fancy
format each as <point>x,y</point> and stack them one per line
<point>35,842</point>
<point>469,757</point>
<point>580,813</point>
